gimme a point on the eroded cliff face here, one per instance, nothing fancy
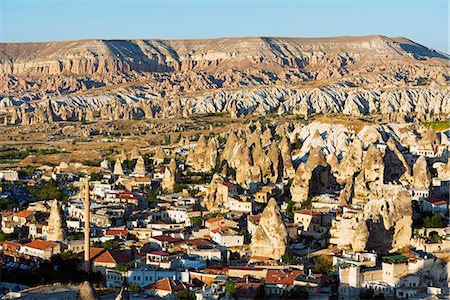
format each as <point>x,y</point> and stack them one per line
<point>270,237</point>
<point>143,79</point>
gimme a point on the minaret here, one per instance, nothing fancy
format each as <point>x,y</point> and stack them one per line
<point>87,227</point>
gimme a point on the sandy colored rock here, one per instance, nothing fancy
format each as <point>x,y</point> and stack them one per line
<point>270,237</point>
<point>56,224</point>
<point>139,169</point>
<point>170,176</point>
<point>421,174</point>
<point>118,170</point>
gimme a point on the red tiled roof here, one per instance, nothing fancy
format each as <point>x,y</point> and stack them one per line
<point>247,289</point>
<point>254,218</point>
<point>101,255</point>
<point>166,238</point>
<point>307,212</point>
<point>196,242</point>
<point>436,201</point>
<point>115,232</point>
<point>40,244</point>
<point>212,220</point>
<point>218,229</point>
<point>243,268</point>
<point>282,276</point>
<point>24,214</point>
<point>168,285</point>
<point>142,179</point>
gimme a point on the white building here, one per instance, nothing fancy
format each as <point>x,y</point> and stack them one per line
<point>226,237</point>
<point>9,175</point>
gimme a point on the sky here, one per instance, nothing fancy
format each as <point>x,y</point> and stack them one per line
<point>424,21</point>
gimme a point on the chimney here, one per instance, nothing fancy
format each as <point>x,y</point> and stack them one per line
<point>87,228</point>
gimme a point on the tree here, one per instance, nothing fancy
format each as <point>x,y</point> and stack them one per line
<point>307,204</point>
<point>323,265</point>
<point>134,288</point>
<point>124,267</point>
<point>197,221</point>
<point>185,294</point>
<point>96,176</point>
<point>45,191</point>
<point>288,259</point>
<point>111,245</point>
<point>230,287</point>
<point>436,221</point>
<point>290,207</point>
<point>422,81</point>
<point>297,292</point>
<point>151,196</point>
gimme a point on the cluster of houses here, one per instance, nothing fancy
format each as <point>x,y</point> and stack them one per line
<point>170,242</point>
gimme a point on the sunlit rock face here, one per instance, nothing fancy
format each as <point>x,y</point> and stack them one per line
<point>270,238</point>
<point>170,177</point>
<point>56,224</point>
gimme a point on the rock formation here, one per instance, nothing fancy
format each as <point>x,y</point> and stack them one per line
<point>215,199</point>
<point>312,177</point>
<point>139,169</point>
<point>170,176</point>
<point>203,157</point>
<point>370,178</point>
<point>118,168</point>
<point>270,237</point>
<point>56,224</point>
<point>421,174</point>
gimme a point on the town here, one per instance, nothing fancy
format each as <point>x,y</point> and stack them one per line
<point>294,210</point>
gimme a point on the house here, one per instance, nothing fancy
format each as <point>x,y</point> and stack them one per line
<point>143,276</point>
<point>101,259</point>
<point>166,288</point>
<point>23,216</point>
<point>227,188</point>
<point>180,214</point>
<point>163,242</point>
<point>11,249</point>
<point>435,206</point>
<point>39,249</point>
<point>252,223</point>
<point>279,281</point>
<point>237,204</point>
<point>227,237</point>
<point>311,223</point>
<point>419,194</point>
<point>116,232</point>
<point>213,223</point>
<point>247,290</point>
<point>76,246</point>
<point>363,259</point>
<point>264,194</point>
<point>9,175</point>
<point>160,259</point>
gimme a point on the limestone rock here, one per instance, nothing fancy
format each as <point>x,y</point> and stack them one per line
<point>371,176</point>
<point>270,237</point>
<point>361,236</point>
<point>139,169</point>
<point>307,176</point>
<point>204,156</point>
<point>87,292</point>
<point>118,168</point>
<point>422,176</point>
<point>170,176</point>
<point>215,199</point>
<point>56,224</point>
<point>105,164</point>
